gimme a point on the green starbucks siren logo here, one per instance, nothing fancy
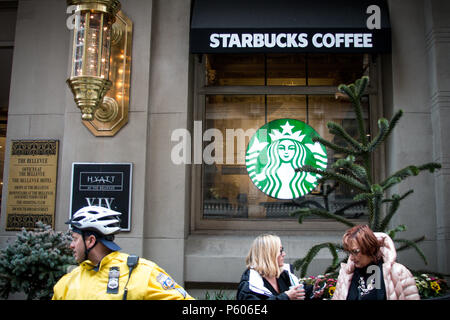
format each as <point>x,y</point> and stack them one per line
<point>276,150</point>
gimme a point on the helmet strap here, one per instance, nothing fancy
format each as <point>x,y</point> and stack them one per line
<point>86,249</point>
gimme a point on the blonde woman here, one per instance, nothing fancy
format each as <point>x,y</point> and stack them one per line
<point>267,276</point>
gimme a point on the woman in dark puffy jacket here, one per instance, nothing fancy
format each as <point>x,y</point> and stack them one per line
<point>267,276</point>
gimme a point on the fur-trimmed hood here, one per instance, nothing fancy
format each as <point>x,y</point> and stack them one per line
<point>388,252</point>
<point>398,280</point>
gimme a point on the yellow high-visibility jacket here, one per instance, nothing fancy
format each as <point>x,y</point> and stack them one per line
<point>147,282</point>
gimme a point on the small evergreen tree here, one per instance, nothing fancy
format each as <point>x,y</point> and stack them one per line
<point>347,171</point>
<point>35,262</point>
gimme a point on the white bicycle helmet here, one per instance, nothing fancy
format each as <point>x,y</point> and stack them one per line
<point>104,221</point>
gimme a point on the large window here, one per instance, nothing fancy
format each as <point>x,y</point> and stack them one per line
<point>236,94</point>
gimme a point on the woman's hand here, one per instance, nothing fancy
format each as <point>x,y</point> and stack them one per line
<point>296,293</point>
<point>318,291</point>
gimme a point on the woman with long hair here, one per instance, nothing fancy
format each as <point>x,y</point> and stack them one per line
<point>267,277</point>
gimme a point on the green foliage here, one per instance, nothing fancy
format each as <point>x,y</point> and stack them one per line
<point>34,262</point>
<point>218,295</point>
<point>359,176</point>
<point>304,262</point>
<point>304,212</point>
<point>430,284</point>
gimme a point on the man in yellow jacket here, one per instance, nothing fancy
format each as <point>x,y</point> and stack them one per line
<point>104,273</point>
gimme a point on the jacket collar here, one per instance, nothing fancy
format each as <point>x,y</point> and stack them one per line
<point>89,265</point>
<point>256,283</point>
<point>388,249</point>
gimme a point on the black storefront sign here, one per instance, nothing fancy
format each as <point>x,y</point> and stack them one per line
<point>103,184</point>
<point>249,26</point>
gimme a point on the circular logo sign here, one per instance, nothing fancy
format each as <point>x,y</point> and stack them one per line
<point>276,150</point>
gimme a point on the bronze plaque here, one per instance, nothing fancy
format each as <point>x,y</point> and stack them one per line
<point>33,167</point>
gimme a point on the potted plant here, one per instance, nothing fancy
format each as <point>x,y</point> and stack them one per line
<point>34,262</point>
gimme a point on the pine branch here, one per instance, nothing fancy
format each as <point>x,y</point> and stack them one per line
<point>304,263</point>
<point>376,213</point>
<point>366,196</point>
<point>361,85</point>
<point>393,122</point>
<point>349,90</point>
<point>297,264</point>
<point>370,210</point>
<point>337,130</point>
<point>355,92</point>
<point>392,233</point>
<point>391,182</point>
<point>431,166</point>
<point>373,199</point>
<point>335,147</point>
<point>334,252</point>
<point>395,196</point>
<point>328,175</point>
<point>335,262</point>
<point>357,171</point>
<point>383,126</point>
<point>385,130</point>
<point>360,120</point>
<point>331,189</point>
<point>360,173</point>
<point>377,193</point>
<point>348,206</point>
<point>412,244</point>
<point>393,208</point>
<point>305,212</point>
<point>407,172</point>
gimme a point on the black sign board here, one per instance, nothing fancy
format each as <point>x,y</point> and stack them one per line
<point>294,26</point>
<point>103,184</point>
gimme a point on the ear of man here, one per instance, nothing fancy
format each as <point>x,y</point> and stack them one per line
<point>90,241</point>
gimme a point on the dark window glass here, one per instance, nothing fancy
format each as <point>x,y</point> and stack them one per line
<point>232,119</point>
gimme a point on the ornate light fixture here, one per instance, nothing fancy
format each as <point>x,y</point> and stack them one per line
<point>100,73</point>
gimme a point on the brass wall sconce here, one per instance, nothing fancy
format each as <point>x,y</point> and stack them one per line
<point>101,64</point>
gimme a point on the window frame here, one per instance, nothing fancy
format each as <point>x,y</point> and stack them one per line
<point>200,225</point>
